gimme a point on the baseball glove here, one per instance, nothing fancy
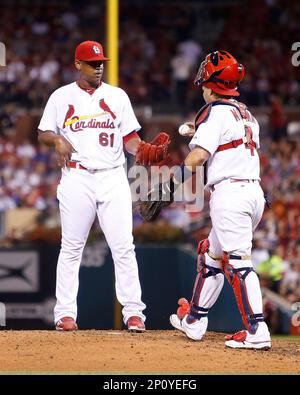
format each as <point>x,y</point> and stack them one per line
<point>160,196</point>
<point>154,152</point>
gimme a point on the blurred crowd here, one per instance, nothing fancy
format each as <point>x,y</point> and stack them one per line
<point>261,38</point>
<point>161,46</point>
<point>278,233</point>
<point>160,51</point>
<point>29,176</point>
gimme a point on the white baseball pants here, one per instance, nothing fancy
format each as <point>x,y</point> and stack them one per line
<point>82,195</point>
<point>236,209</point>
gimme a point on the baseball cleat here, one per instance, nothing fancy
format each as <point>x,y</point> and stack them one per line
<point>66,324</point>
<point>193,328</point>
<point>135,324</point>
<point>261,340</point>
<point>176,322</point>
<point>253,346</point>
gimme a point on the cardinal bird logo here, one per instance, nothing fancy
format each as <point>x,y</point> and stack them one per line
<point>69,113</point>
<point>105,107</point>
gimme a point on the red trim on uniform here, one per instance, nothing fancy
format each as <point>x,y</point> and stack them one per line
<point>90,91</point>
<point>73,165</point>
<point>130,136</point>
<point>234,144</point>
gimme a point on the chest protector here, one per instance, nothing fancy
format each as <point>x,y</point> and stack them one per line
<point>204,112</point>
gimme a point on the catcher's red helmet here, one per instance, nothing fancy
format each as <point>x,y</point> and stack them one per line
<point>221,72</point>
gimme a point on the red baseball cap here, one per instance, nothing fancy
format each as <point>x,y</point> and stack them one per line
<point>89,51</point>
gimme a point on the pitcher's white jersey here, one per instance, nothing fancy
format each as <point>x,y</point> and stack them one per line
<point>94,124</point>
<point>223,125</point>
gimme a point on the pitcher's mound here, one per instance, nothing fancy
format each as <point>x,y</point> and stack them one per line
<point>152,352</point>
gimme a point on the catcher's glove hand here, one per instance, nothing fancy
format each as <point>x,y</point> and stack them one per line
<point>154,152</point>
<point>160,196</point>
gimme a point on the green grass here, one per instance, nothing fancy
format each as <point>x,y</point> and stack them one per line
<point>286,337</point>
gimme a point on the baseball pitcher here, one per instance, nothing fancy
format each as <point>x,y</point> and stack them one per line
<point>88,122</point>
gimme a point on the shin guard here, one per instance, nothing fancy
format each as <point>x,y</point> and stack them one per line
<point>237,279</point>
<point>207,286</point>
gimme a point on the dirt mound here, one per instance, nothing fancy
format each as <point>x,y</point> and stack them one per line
<point>152,352</point>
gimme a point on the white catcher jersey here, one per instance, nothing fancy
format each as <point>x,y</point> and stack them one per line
<point>94,124</point>
<point>223,125</point>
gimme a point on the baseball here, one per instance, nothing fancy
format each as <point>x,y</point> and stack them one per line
<point>184,129</point>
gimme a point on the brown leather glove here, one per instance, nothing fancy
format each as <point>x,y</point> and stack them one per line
<point>161,195</point>
<point>153,152</point>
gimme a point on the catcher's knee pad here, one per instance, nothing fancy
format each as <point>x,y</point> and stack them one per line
<point>204,254</point>
<point>236,277</point>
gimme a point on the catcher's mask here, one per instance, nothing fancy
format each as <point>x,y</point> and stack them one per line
<point>220,72</point>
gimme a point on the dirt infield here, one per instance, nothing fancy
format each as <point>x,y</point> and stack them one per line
<point>152,352</point>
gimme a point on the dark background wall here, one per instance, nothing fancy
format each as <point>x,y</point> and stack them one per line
<point>166,274</point>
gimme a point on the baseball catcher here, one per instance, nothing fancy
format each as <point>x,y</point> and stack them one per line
<point>226,142</point>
